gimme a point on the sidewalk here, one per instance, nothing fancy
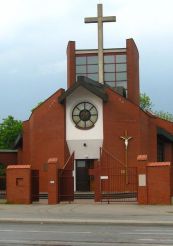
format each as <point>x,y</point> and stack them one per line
<point>87,212</point>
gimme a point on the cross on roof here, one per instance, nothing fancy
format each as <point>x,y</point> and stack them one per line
<point>100,19</point>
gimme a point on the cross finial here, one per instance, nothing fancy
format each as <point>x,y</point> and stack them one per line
<point>100,19</point>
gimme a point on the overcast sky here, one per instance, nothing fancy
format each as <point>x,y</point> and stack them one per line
<point>34,35</point>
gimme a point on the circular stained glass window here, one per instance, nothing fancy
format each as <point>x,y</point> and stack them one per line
<point>84,115</point>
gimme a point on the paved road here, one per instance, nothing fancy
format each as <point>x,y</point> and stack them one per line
<point>87,213</point>
<point>91,235</point>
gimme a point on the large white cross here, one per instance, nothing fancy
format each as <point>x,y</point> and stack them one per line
<point>100,19</point>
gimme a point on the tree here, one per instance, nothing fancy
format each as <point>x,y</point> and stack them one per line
<point>145,102</point>
<point>9,130</point>
<point>147,105</point>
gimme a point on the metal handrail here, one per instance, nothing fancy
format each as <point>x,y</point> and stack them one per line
<point>110,155</point>
<point>68,160</point>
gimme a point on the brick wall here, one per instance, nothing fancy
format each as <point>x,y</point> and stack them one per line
<point>154,182</point>
<point>120,115</point>
<point>8,158</point>
<point>132,71</point>
<point>44,136</point>
<point>19,184</point>
<point>158,182</point>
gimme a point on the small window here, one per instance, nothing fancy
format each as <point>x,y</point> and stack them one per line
<point>92,68</point>
<point>109,76</point>
<point>80,69</point>
<point>121,67</point>
<point>92,60</point>
<point>80,163</point>
<point>109,59</point>
<point>81,60</point>
<point>120,58</point>
<point>109,68</point>
<point>84,115</point>
<point>121,76</point>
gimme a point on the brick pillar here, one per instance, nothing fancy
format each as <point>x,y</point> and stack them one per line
<point>97,184</point>
<point>53,194</point>
<point>159,183</point>
<point>71,64</point>
<point>142,179</point>
<point>19,184</point>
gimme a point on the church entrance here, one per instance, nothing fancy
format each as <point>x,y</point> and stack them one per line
<point>83,181</point>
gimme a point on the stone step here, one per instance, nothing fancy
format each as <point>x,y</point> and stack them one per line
<point>77,195</point>
<point>84,195</point>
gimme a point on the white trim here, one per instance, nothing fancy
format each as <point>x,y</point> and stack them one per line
<point>74,175</point>
<point>78,52</point>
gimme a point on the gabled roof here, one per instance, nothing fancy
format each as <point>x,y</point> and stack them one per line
<point>96,88</point>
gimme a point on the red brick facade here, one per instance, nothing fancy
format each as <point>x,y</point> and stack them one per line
<point>44,136</point>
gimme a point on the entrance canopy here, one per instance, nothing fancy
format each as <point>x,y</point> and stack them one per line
<point>89,84</point>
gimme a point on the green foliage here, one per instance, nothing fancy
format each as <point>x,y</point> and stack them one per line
<point>164,115</point>
<point>145,102</point>
<point>9,130</point>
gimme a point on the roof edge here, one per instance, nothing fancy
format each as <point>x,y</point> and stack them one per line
<point>93,86</point>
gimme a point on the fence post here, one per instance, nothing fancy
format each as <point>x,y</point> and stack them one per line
<point>97,184</point>
<point>142,179</point>
<point>53,191</point>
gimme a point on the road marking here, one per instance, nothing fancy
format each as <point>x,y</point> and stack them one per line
<point>152,239</point>
<point>52,243</point>
<point>147,239</point>
<point>154,230</point>
<point>147,233</point>
<point>65,232</point>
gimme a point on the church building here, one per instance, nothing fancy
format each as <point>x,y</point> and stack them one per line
<point>96,121</point>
